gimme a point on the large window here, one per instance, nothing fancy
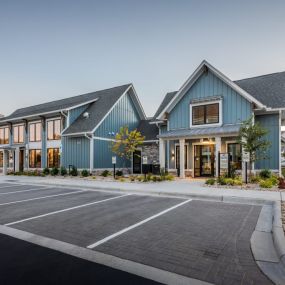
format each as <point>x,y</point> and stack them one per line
<point>35,158</point>
<point>35,132</point>
<point>53,157</point>
<point>1,158</point>
<point>53,130</point>
<point>205,114</point>
<point>234,150</point>
<point>4,135</point>
<point>18,132</point>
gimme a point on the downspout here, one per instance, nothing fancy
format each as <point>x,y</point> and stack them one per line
<point>91,158</point>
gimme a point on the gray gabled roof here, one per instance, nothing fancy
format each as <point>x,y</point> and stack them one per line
<point>66,103</point>
<point>97,110</point>
<point>269,89</point>
<point>149,131</point>
<point>168,97</point>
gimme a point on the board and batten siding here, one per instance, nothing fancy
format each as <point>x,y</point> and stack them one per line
<point>75,113</point>
<point>271,123</point>
<point>235,107</point>
<point>103,156</point>
<point>123,114</point>
<point>76,151</point>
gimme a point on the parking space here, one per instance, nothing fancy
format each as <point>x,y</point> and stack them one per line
<point>208,241</point>
<point>18,188</point>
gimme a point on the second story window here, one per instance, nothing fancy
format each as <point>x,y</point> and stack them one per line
<point>4,135</point>
<point>53,130</point>
<point>35,130</point>
<point>18,132</point>
<point>205,114</point>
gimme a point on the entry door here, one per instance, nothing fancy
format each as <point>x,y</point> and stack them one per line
<point>204,160</point>
<point>137,165</point>
<point>177,156</point>
<point>21,160</point>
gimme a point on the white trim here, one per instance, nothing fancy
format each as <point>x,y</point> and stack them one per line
<point>192,79</point>
<point>81,104</point>
<point>103,139</point>
<point>280,144</point>
<point>156,122</point>
<point>151,141</point>
<point>141,109</point>
<point>111,109</point>
<point>219,124</point>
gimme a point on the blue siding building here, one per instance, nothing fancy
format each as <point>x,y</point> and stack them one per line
<point>202,119</point>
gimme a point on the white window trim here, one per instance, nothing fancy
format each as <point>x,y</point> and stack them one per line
<point>220,102</point>
<point>28,131</point>
<point>46,129</point>
<point>187,146</point>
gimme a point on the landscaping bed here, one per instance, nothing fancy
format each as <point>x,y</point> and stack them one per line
<point>105,175</point>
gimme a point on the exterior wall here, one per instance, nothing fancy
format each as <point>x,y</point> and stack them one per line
<point>103,156</point>
<point>123,114</point>
<point>151,151</point>
<point>75,113</point>
<point>76,151</point>
<point>235,107</point>
<point>271,122</point>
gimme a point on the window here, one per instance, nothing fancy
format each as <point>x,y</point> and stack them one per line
<point>35,158</point>
<point>18,132</point>
<point>53,157</point>
<point>1,158</point>
<point>35,132</point>
<point>53,130</point>
<point>4,135</point>
<point>205,114</point>
<point>234,151</point>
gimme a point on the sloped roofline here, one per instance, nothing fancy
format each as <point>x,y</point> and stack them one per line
<point>194,77</point>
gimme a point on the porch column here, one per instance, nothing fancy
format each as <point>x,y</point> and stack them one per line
<point>218,149</point>
<point>17,160</point>
<point>162,153</point>
<point>181,158</point>
<point>91,166</point>
<point>5,161</point>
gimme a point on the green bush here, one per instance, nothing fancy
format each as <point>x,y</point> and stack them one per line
<point>283,171</point>
<point>119,173</point>
<point>210,181</point>
<point>169,177</point>
<point>54,171</point>
<point>254,179</point>
<point>122,179</point>
<point>237,182</point>
<point>265,173</point>
<point>105,173</point>
<point>140,178</point>
<point>85,173</point>
<point>132,178</point>
<point>265,183</point>
<point>221,180</point>
<point>46,171</point>
<point>229,181</point>
<point>73,171</point>
<point>274,180</point>
<point>63,171</point>
<point>149,177</point>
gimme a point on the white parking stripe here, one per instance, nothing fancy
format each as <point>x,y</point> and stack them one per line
<point>67,209</point>
<point>14,185</point>
<point>21,191</point>
<point>43,197</point>
<point>136,225</point>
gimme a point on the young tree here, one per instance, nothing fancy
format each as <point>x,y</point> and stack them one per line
<point>252,137</point>
<point>126,142</point>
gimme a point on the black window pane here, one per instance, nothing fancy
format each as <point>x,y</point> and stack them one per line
<point>198,115</point>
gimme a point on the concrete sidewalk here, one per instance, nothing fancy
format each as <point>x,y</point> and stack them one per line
<point>182,188</point>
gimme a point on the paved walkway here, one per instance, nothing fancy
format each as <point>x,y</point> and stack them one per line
<point>194,188</point>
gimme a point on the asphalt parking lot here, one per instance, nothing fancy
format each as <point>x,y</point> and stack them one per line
<point>209,241</point>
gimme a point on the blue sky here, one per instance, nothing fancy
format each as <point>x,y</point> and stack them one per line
<point>55,49</point>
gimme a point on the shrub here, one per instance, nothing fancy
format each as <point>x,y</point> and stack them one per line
<point>119,173</point>
<point>265,183</point>
<point>283,172</point>
<point>132,178</point>
<point>265,173</point>
<point>149,177</point>
<point>46,171</point>
<point>122,179</point>
<point>54,171</point>
<point>73,171</point>
<point>229,181</point>
<point>140,178</point>
<point>221,180</point>
<point>85,173</point>
<point>169,177</point>
<point>274,180</point>
<point>154,178</point>
<point>237,182</point>
<point>254,179</point>
<point>210,181</point>
<point>94,177</point>
<point>105,173</point>
<point>63,171</point>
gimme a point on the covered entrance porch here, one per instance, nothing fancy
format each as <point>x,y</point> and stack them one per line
<point>196,155</point>
<point>12,158</point>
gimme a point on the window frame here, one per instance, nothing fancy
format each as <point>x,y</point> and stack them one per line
<point>18,132</point>
<point>35,131</point>
<point>206,125</point>
<point>227,150</point>
<point>53,128</point>
<point>35,161</point>
<point>5,130</point>
<point>53,148</point>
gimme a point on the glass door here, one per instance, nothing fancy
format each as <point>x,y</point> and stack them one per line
<point>204,160</point>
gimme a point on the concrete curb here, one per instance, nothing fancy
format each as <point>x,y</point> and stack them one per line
<point>268,243</point>
<point>142,270</point>
<point>207,197</point>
